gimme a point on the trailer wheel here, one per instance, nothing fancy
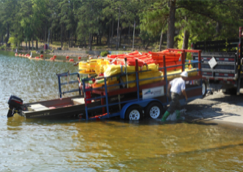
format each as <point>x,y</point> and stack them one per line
<point>204,88</point>
<point>154,110</point>
<point>134,113</point>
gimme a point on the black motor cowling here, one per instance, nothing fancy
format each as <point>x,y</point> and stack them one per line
<point>15,104</point>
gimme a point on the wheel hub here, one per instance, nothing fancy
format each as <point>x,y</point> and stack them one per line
<point>134,115</point>
<point>154,112</point>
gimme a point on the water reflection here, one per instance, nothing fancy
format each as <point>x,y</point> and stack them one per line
<point>135,144</point>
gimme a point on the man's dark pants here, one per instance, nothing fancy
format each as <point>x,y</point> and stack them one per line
<point>175,103</point>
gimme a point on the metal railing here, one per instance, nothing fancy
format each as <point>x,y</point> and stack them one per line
<point>137,80</point>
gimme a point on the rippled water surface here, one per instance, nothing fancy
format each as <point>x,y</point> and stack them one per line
<point>112,145</point>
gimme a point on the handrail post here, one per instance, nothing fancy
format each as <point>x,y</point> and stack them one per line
<point>199,63</point>
<point>79,90</point>
<point>165,78</point>
<point>137,78</point>
<point>86,108</point>
<point>106,97</point>
<point>59,86</point>
<point>125,59</point>
<point>183,60</point>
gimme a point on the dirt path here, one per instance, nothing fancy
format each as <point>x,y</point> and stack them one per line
<point>218,107</point>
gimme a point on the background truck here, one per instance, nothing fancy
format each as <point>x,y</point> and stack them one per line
<point>221,64</point>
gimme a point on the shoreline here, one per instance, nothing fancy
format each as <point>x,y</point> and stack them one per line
<point>219,108</point>
<point>47,57</point>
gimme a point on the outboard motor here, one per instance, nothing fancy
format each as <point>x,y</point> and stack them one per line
<point>15,104</point>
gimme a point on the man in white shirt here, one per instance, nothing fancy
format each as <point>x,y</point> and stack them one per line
<point>177,87</point>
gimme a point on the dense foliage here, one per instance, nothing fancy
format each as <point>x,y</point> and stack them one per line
<point>88,22</point>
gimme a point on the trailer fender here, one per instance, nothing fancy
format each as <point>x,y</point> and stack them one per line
<point>142,103</point>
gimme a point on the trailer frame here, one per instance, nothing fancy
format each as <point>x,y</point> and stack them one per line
<point>194,92</point>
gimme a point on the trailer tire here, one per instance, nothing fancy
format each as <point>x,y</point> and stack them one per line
<point>154,110</point>
<point>134,113</point>
<point>204,88</point>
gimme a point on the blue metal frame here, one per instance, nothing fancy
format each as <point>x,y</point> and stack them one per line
<point>141,102</point>
<point>66,83</point>
<point>138,101</point>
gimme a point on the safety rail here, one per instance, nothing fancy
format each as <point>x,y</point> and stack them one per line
<point>137,80</point>
<point>67,74</point>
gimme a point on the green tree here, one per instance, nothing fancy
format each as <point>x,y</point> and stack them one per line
<point>89,14</point>
<point>154,20</point>
<point>8,10</point>
<point>125,12</point>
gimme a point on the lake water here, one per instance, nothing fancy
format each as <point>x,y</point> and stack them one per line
<point>110,145</point>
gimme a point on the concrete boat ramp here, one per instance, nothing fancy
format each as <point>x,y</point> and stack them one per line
<point>218,107</point>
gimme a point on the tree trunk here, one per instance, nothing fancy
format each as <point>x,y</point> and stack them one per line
<point>61,36</point>
<point>218,29</point>
<point>112,29</point>
<point>45,34</point>
<point>32,43</point>
<point>51,35</point>
<point>7,35</point>
<point>117,41</point>
<point>108,37</point>
<point>25,45</point>
<point>120,36</point>
<point>185,40</point>
<point>161,40</point>
<point>36,44</point>
<point>84,41</point>
<point>129,32</point>
<point>90,42</point>
<point>146,46</point>
<point>75,39</point>
<point>69,44</point>
<point>134,26</point>
<point>29,44</point>
<point>100,37</point>
<point>171,25</point>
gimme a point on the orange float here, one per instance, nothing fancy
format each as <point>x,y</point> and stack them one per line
<point>115,55</point>
<point>168,64</point>
<point>171,59</point>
